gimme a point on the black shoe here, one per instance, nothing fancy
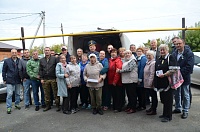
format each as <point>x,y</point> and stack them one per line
<point>46,109</point>
<point>149,110</point>
<point>161,116</point>
<point>165,119</point>
<point>37,108</point>
<point>176,111</point>
<point>66,112</point>
<point>100,111</point>
<point>184,115</point>
<point>94,112</point>
<point>43,106</point>
<point>26,107</point>
<point>58,108</point>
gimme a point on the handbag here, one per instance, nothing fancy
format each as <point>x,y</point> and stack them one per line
<point>176,79</point>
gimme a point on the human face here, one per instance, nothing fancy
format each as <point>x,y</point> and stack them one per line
<point>73,60</point>
<point>121,53</point>
<point>13,53</point>
<point>26,54</point>
<point>180,45</point>
<point>139,52</point>
<point>149,56</point>
<point>35,55</point>
<point>114,54</point>
<point>62,59</point>
<point>92,59</point>
<point>128,55</point>
<point>84,58</point>
<point>109,48</point>
<point>64,51</point>
<point>52,53</point>
<point>92,48</point>
<point>79,52</point>
<point>153,44</point>
<point>102,55</point>
<point>133,48</point>
<point>163,52</point>
<point>47,51</point>
<point>174,42</point>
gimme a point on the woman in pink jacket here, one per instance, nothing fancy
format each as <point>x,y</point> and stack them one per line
<point>149,72</point>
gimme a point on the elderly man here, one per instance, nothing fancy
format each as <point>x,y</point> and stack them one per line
<point>185,59</point>
<point>154,48</point>
<point>65,52</point>
<point>92,48</point>
<point>133,50</point>
<point>11,78</point>
<point>109,48</point>
<point>79,53</point>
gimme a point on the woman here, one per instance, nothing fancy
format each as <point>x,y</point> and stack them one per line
<point>114,80</point>
<point>141,60</point>
<point>149,71</point>
<point>129,80</point>
<point>161,82</point>
<point>121,54</point>
<point>95,82</point>
<point>73,82</point>
<point>84,92</point>
<point>61,74</point>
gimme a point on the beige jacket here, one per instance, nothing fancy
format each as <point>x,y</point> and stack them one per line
<point>149,71</point>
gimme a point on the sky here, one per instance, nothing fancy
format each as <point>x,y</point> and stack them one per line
<point>87,15</point>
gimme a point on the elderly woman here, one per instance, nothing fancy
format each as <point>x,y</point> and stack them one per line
<point>161,82</point>
<point>121,54</point>
<point>95,82</point>
<point>141,60</point>
<point>73,82</point>
<point>114,81</point>
<point>61,74</point>
<point>149,71</point>
<point>129,80</point>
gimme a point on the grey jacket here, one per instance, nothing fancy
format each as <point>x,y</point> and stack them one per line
<point>129,71</point>
<point>149,71</point>
<point>22,68</point>
<point>92,71</point>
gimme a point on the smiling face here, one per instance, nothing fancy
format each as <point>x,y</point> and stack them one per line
<point>62,59</point>
<point>102,55</point>
<point>128,55</point>
<point>179,45</point>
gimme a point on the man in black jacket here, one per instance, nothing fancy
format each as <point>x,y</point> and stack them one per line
<point>11,78</point>
<point>154,48</point>
<point>48,78</point>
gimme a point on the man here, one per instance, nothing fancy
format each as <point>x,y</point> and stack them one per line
<point>154,48</point>
<point>48,78</point>
<point>174,39</point>
<point>92,48</point>
<point>53,53</point>
<point>109,48</point>
<point>32,68</point>
<point>79,52</point>
<point>65,52</point>
<point>11,78</point>
<point>133,50</point>
<point>185,59</point>
<point>25,77</point>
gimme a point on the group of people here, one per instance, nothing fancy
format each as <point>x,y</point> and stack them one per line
<point>103,79</point>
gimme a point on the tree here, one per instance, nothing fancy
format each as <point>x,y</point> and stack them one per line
<point>192,38</point>
<point>56,48</point>
<point>38,48</point>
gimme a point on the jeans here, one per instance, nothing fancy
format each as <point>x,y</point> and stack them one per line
<point>26,85</point>
<point>10,89</point>
<point>182,104</point>
<point>35,88</point>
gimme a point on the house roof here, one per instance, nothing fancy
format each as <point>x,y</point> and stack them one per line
<point>8,46</point>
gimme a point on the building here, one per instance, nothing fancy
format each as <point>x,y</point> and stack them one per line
<point>5,50</point>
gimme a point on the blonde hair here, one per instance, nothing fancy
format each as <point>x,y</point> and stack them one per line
<point>164,46</point>
<point>121,49</point>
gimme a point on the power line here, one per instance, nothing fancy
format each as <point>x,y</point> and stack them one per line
<point>18,13</point>
<point>16,17</point>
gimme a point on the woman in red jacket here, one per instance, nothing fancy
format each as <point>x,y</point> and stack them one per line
<point>114,80</point>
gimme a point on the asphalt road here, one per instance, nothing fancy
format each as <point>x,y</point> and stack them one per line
<point>83,121</point>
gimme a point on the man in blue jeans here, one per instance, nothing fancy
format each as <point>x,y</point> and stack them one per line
<point>185,59</point>
<point>11,78</point>
<point>25,77</point>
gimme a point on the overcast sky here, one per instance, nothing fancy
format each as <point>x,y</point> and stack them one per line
<point>87,15</point>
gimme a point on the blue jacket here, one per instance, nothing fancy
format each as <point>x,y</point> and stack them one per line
<point>82,66</point>
<point>10,72</point>
<point>104,62</point>
<point>186,63</point>
<point>141,64</point>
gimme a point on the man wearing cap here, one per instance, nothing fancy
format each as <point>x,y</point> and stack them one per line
<point>65,52</point>
<point>92,48</point>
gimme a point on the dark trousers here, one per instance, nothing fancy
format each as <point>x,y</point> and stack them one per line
<point>117,94</point>
<point>141,96</point>
<point>106,94</point>
<point>154,98</point>
<point>84,94</point>
<point>131,94</point>
<point>65,103</point>
<point>73,97</point>
<point>167,100</point>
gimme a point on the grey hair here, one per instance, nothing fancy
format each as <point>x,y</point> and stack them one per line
<point>154,40</point>
<point>164,46</point>
<point>150,52</point>
<point>128,51</point>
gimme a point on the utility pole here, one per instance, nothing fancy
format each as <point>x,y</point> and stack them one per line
<point>183,26</point>
<point>44,42</point>
<point>62,34</point>
<point>23,41</point>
